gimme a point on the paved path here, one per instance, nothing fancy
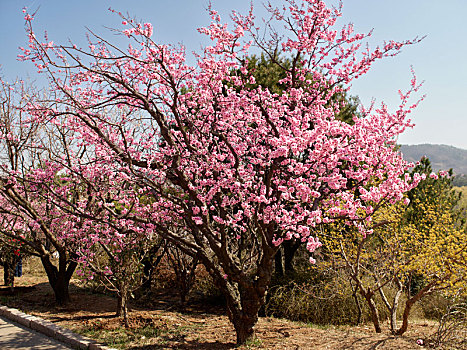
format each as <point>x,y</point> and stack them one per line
<point>17,337</point>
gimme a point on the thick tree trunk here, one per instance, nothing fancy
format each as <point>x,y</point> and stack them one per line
<point>245,291</point>
<point>245,299</point>
<point>8,274</point>
<point>59,279</point>
<point>244,327</point>
<point>245,294</point>
<point>245,315</point>
<point>61,291</point>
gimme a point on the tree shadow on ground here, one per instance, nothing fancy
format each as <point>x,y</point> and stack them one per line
<point>188,345</point>
<point>40,299</point>
<point>6,290</point>
<point>168,300</point>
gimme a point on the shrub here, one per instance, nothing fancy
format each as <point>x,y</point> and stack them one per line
<point>452,329</point>
<point>327,298</point>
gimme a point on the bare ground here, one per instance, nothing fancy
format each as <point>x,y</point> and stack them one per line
<point>161,325</point>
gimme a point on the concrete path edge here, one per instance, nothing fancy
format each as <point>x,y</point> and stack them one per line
<point>51,330</point>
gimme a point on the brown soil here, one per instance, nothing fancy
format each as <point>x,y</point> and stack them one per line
<point>160,326</point>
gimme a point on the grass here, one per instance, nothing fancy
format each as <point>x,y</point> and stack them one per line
<point>122,338</point>
<point>253,343</point>
<point>115,338</point>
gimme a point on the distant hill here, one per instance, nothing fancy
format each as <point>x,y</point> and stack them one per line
<point>442,157</point>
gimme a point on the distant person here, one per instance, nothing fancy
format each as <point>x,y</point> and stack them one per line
<point>19,268</point>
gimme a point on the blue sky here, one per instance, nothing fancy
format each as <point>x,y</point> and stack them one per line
<point>439,59</point>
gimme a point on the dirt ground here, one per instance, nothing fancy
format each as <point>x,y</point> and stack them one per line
<point>161,325</point>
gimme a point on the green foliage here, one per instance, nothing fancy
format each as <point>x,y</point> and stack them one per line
<point>253,343</point>
<point>433,191</point>
<point>268,73</point>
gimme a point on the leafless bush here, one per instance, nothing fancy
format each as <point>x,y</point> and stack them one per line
<point>452,329</point>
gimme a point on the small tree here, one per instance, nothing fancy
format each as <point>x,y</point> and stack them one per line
<point>26,213</point>
<point>423,241</point>
<point>184,267</point>
<point>39,227</point>
<point>116,263</point>
<point>110,246</point>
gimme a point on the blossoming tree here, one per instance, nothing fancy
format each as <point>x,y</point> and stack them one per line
<point>237,169</point>
<point>27,215</point>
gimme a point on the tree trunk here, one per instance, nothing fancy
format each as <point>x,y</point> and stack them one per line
<point>392,308</point>
<point>187,280</point>
<point>287,250</point>
<point>245,293</point>
<point>146,278</point>
<point>244,317</point>
<point>61,290</point>
<point>278,267</point>
<point>149,265</point>
<point>368,295</point>
<point>122,304</point>
<point>245,297</point>
<point>8,274</point>
<point>184,286</point>
<point>244,328</point>
<point>244,300</point>
<point>395,306</point>
<point>357,303</point>
<point>59,279</point>
<point>405,318</point>
<point>410,302</point>
<point>373,311</point>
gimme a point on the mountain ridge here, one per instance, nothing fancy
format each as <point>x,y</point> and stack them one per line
<point>442,157</point>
